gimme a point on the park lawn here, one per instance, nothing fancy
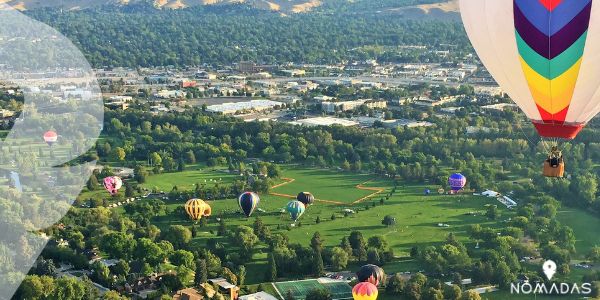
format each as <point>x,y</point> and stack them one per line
<point>326,185</point>
<point>186,180</point>
<point>585,225</point>
<point>417,217</point>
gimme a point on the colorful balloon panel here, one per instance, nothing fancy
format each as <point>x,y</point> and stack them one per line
<point>365,291</point>
<point>248,202</point>
<point>196,209</point>
<point>295,209</point>
<point>112,184</point>
<point>457,181</point>
<point>544,54</point>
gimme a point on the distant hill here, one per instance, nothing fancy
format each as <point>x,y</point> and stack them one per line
<point>284,6</point>
<point>447,10</point>
<point>408,8</point>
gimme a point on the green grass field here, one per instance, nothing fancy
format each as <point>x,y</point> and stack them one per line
<point>417,216</point>
<point>325,184</point>
<point>187,179</point>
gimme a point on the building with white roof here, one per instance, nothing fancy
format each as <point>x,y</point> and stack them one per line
<point>248,106</point>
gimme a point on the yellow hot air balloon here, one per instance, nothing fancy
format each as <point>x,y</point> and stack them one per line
<point>365,291</point>
<point>197,209</point>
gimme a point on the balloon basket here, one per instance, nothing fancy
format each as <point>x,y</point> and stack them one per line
<point>550,171</point>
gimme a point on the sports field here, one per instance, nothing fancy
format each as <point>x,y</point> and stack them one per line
<point>299,289</point>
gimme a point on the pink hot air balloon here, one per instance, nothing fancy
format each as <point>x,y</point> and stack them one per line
<point>50,137</point>
<point>112,184</point>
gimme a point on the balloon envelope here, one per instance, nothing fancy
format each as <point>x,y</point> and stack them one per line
<point>248,202</point>
<point>457,181</point>
<point>196,209</point>
<point>112,184</point>
<point>306,198</point>
<point>365,291</point>
<point>296,209</point>
<point>50,137</point>
<point>544,54</point>
<point>371,273</point>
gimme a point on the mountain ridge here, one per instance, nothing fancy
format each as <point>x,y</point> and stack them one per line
<point>442,7</point>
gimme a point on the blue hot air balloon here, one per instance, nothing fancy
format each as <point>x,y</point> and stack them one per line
<point>296,209</point>
<point>248,202</point>
<point>457,181</point>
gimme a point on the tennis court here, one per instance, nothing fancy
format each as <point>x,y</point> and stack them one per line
<point>299,289</point>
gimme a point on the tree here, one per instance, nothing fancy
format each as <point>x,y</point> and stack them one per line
<point>339,259</point>
<point>388,221</point>
<point>271,275</point>
<point>470,295</point>
<point>433,294</point>
<point>140,174</point>
<point>183,258</point>
<point>492,212</point>
<point>113,295</point>
<point>178,235</point>
<point>594,254</point>
<point>119,154</point>
<point>231,278</point>
<point>319,294</point>
<point>319,269</point>
<point>396,285</point>
<point>92,183</point>
<point>586,187</point>
<point>117,244</point>
<point>241,275</point>
<point>244,237</point>
<point>316,242</point>
<point>201,275</point>
<point>121,268</point>
<point>373,256</point>
<point>453,292</point>
<point>222,230</point>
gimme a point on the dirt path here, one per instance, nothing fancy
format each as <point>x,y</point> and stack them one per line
<point>360,186</point>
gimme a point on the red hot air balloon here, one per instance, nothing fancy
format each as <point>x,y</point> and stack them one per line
<point>50,137</point>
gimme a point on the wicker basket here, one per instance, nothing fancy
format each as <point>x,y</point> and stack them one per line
<point>550,171</point>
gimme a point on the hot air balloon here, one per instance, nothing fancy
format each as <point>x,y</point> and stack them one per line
<point>427,192</point>
<point>196,209</point>
<point>544,54</point>
<point>371,273</point>
<point>296,209</point>
<point>365,291</point>
<point>306,198</point>
<point>50,137</point>
<point>457,181</point>
<point>112,184</point>
<point>248,202</point>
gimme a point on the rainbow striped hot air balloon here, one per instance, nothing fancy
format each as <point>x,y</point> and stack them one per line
<point>248,202</point>
<point>545,54</point>
<point>296,209</point>
<point>365,291</point>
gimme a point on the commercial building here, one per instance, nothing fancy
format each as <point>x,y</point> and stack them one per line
<point>331,107</point>
<point>240,107</point>
<point>325,121</point>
